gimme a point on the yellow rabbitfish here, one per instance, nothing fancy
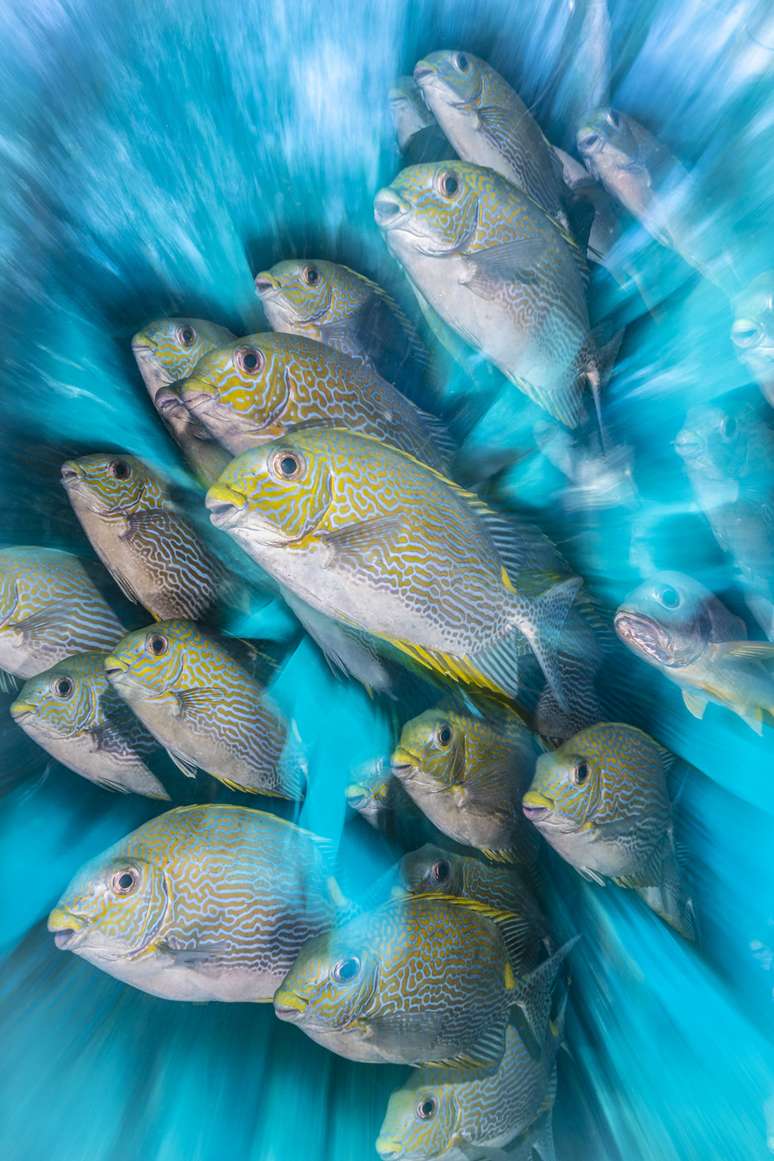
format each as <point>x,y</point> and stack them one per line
<point>205,708</point>
<point>147,545</point>
<point>167,350</point>
<point>601,801</point>
<point>201,903</point>
<point>423,979</point>
<point>49,609</point>
<point>265,385</point>
<point>72,711</point>
<point>376,540</point>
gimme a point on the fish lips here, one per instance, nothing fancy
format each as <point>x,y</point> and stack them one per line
<point>289,1006</point>
<point>68,929</point>
<point>537,807</point>
<point>390,210</point>
<point>643,634</point>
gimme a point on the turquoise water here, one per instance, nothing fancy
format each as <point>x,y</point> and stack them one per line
<point>155,156</point>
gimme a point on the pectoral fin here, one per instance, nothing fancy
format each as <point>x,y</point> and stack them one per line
<point>542,624</point>
<point>185,767</point>
<point>695,703</point>
<point>363,536</point>
<point>491,269</point>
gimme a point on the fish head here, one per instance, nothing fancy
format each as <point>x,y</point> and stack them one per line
<point>421,1121</point>
<point>369,791</point>
<point>111,485</point>
<point>161,659</point>
<point>114,907</point>
<point>718,441</point>
<point>273,495</point>
<point>431,869</point>
<point>296,291</point>
<point>431,750</point>
<point>331,982</point>
<point>455,79</point>
<point>168,349</point>
<point>244,383</point>
<point>565,788</point>
<point>63,701</point>
<point>431,209</point>
<point>752,331</point>
<point>667,620</point>
<point>605,139</point>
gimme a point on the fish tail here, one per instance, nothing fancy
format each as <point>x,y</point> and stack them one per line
<point>532,995</point>
<point>542,624</point>
<point>667,897</point>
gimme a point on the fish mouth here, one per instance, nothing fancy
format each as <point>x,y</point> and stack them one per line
<point>424,71</point>
<point>265,283</point>
<point>114,666</point>
<point>688,445</point>
<point>642,634</point>
<point>168,400</point>
<point>20,710</point>
<point>389,209</point>
<point>224,505</point>
<point>70,473</point>
<point>536,806</point>
<point>288,1005</point>
<point>356,795</point>
<point>197,392</point>
<point>403,763</point>
<point>388,1149</point>
<point>66,927</point>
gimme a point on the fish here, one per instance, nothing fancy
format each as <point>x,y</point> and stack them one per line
<point>151,551</point>
<point>206,709</point>
<point>209,902</point>
<point>421,980</point>
<point>417,133</point>
<point>438,1111</point>
<point>655,188</point>
<point>503,276</point>
<point>167,350</point>
<point>752,332</point>
<point>601,801</point>
<point>49,609</point>
<point>379,798</point>
<point>727,449</point>
<point>432,869</point>
<point>394,551</point>
<point>74,714</point>
<point>489,125</point>
<point>587,39</point>
<point>266,385</point>
<point>677,625</point>
<point>468,773</point>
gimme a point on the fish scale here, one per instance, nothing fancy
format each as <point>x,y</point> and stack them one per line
<point>302,382</point>
<point>49,609</point>
<point>228,898</point>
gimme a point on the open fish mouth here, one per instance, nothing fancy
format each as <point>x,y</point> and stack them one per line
<point>224,505</point>
<point>390,209</point>
<point>536,806</point>
<point>68,929</point>
<point>644,635</point>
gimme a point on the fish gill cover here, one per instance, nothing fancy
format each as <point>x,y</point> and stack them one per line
<point>156,158</point>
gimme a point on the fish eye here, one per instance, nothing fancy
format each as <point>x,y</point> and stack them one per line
<point>346,969</point>
<point>249,360</point>
<point>745,333</point>
<point>310,275</point>
<point>448,183</point>
<point>443,735</point>
<point>580,772</point>
<point>287,465</point>
<point>613,119</point>
<point>461,62</point>
<point>728,427</point>
<point>120,470</point>
<point>669,597</point>
<point>125,881</point>
<point>427,1108</point>
<point>156,644</point>
<point>62,687</point>
<point>439,872</point>
<point>186,336</point>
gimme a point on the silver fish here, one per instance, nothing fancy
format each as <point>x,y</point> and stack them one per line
<point>73,713</point>
<point>149,548</point>
<point>752,332</point>
<point>49,609</point>
<point>201,903</point>
<point>675,624</point>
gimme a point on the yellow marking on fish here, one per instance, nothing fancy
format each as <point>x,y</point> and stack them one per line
<point>509,977</point>
<point>227,495</point>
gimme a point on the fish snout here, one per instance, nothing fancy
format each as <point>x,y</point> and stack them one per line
<point>687,444</point>
<point>423,71</point>
<point>265,283</point>
<point>114,665</point>
<point>21,709</point>
<point>388,1148</point>
<point>65,927</point>
<point>356,795</point>
<point>223,504</point>
<point>196,391</point>
<point>402,762</point>
<point>536,806</point>
<point>288,1006</point>
<point>589,141</point>
<point>70,472</point>
<point>389,208</point>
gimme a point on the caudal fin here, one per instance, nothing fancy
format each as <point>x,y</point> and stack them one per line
<point>532,995</point>
<point>541,620</point>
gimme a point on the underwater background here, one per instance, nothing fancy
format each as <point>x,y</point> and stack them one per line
<point>155,156</point>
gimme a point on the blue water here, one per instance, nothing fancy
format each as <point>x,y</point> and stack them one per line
<point>155,155</point>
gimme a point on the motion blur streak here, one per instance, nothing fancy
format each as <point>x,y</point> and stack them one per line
<point>157,154</point>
